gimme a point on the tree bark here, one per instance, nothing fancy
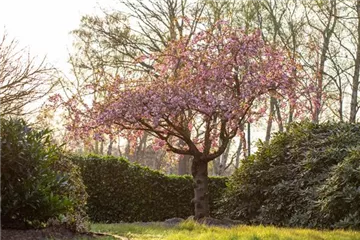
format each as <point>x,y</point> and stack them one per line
<point>199,170</point>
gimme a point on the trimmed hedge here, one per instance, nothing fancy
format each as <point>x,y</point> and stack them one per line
<point>121,191</point>
<point>306,177</point>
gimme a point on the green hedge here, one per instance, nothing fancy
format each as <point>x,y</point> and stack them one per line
<point>122,191</point>
<point>306,177</point>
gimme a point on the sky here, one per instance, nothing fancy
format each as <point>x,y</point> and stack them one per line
<point>44,25</point>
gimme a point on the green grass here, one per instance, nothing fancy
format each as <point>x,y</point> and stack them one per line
<point>191,230</point>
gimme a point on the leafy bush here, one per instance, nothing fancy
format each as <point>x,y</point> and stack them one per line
<point>121,191</point>
<point>306,177</point>
<point>37,183</point>
<point>340,195</point>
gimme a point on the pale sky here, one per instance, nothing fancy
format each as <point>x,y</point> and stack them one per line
<point>44,25</point>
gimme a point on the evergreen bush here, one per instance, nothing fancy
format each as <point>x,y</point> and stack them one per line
<point>37,183</point>
<point>306,177</point>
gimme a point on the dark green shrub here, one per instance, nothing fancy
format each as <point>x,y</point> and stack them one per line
<point>121,191</point>
<point>37,183</point>
<point>288,182</point>
<point>339,198</point>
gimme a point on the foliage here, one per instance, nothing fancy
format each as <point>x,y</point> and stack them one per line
<point>121,191</point>
<point>189,230</point>
<point>306,177</point>
<point>37,183</point>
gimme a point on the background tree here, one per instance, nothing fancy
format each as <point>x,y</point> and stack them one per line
<point>325,14</point>
<point>23,79</point>
<point>355,81</point>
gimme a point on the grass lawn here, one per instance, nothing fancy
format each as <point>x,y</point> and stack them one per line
<point>191,230</point>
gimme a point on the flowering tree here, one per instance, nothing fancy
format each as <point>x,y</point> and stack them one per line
<point>200,93</point>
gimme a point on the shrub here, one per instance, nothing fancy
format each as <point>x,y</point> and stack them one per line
<point>37,183</point>
<point>339,197</point>
<point>302,178</point>
<point>121,191</point>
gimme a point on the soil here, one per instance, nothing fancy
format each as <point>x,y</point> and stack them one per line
<point>61,233</point>
<point>58,233</point>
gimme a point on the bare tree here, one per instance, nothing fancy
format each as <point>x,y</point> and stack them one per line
<point>322,18</point>
<point>355,83</point>
<point>23,79</point>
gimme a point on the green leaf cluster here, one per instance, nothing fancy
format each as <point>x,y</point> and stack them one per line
<point>120,191</point>
<point>306,177</point>
<point>37,182</point>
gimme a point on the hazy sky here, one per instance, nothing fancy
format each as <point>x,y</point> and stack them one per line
<point>44,25</point>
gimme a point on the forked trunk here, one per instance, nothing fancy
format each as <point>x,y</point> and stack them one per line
<point>199,170</point>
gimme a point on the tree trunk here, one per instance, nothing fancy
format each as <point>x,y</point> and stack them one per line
<point>217,163</point>
<point>326,33</point>
<point>223,160</point>
<point>102,148</point>
<point>184,161</point>
<point>238,152</point>
<point>248,139</point>
<point>110,147</point>
<point>96,147</point>
<point>216,166</point>
<point>291,117</point>
<point>139,155</point>
<point>127,151</point>
<point>355,83</point>
<point>278,117</point>
<point>199,170</point>
<point>270,119</point>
